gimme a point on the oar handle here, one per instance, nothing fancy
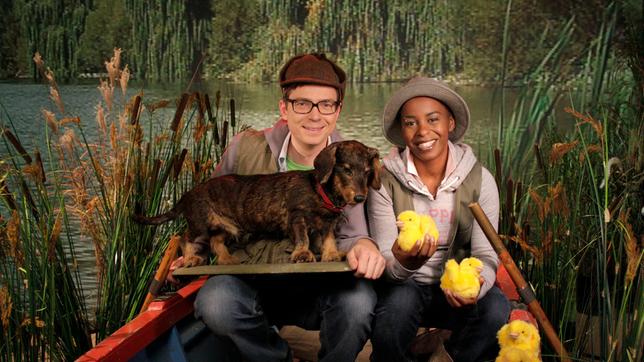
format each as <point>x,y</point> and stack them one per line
<point>524,289</point>
<point>162,272</point>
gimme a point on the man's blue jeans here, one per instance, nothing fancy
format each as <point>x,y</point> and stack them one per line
<point>246,312</point>
<point>403,307</point>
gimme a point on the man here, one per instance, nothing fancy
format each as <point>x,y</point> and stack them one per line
<point>245,311</point>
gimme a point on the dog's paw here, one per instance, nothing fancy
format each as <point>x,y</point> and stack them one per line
<point>302,256</point>
<point>331,256</point>
<point>230,260</point>
<point>194,260</point>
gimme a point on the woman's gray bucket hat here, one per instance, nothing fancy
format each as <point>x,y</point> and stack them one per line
<point>425,87</point>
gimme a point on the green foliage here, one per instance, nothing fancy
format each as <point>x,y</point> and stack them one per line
<point>106,27</point>
<point>52,28</point>
<point>233,25</point>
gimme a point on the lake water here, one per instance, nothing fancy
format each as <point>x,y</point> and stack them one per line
<point>256,104</point>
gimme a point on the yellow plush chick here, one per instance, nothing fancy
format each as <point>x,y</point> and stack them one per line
<point>428,226</point>
<point>462,279</point>
<point>520,335</point>
<point>413,227</point>
<point>514,354</point>
<point>411,230</point>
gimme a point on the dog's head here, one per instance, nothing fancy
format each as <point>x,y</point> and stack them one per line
<point>351,167</point>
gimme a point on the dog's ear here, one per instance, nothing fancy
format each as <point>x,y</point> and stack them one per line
<point>374,178</point>
<point>324,163</point>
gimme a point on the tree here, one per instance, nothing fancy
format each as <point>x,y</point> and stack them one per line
<point>107,27</point>
<point>233,27</point>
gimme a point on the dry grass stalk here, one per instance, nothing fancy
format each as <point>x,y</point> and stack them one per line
<point>68,120</point>
<point>558,150</point>
<point>40,64</point>
<point>633,251</point>
<point>200,130</point>
<point>124,79</point>
<point>107,91</point>
<point>50,118</point>
<point>13,235</point>
<point>37,322</point>
<point>33,171</point>
<point>113,136</point>
<point>113,66</point>
<point>154,106</point>
<point>68,140</point>
<point>593,148</point>
<point>599,129</point>
<point>100,119</point>
<point>539,204</point>
<point>6,306</point>
<point>559,202</point>
<point>519,238</point>
<point>54,95</point>
<point>54,238</point>
<point>547,243</point>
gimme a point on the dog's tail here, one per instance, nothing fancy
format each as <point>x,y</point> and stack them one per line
<point>157,220</point>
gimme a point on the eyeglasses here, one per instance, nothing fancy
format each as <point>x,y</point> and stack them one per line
<point>303,106</point>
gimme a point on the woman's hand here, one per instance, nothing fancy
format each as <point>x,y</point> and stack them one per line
<point>456,301</point>
<point>418,255</point>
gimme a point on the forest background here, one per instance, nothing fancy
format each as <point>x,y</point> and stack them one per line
<point>248,40</point>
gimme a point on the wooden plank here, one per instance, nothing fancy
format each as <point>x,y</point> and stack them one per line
<point>300,268</point>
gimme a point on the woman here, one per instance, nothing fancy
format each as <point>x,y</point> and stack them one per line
<point>432,172</point>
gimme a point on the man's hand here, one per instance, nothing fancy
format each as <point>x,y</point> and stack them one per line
<point>365,259</point>
<point>418,255</point>
<point>457,302</point>
<point>176,263</point>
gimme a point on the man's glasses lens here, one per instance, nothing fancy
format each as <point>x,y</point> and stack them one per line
<point>303,106</point>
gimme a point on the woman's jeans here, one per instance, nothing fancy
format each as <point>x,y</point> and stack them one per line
<point>403,308</point>
<point>248,310</point>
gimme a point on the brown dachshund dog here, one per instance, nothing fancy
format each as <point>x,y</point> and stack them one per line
<point>304,206</point>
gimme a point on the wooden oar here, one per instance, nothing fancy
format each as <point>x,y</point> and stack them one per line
<point>524,289</point>
<point>162,272</point>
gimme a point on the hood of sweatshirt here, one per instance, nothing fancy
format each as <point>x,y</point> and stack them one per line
<point>462,159</point>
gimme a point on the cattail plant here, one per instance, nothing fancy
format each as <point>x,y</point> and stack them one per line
<point>95,186</point>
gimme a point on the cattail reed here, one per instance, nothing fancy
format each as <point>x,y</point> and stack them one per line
<point>232,113</point>
<point>17,145</point>
<point>178,164</point>
<point>135,111</point>
<point>206,101</point>
<point>498,166</point>
<point>224,134</point>
<point>179,113</point>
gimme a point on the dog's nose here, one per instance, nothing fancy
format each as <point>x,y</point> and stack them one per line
<point>359,198</point>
